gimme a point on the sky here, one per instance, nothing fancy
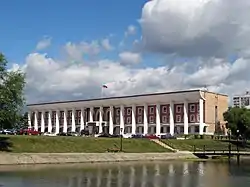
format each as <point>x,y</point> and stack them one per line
<point>69,49</point>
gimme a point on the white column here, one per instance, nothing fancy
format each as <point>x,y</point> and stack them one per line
<point>185,117</point>
<point>49,122</point>
<point>111,124</point>
<point>82,118</point>
<point>121,119</point>
<point>201,116</point>
<point>133,119</point>
<point>91,114</point>
<point>42,122</point>
<point>65,126</point>
<point>57,122</point>
<point>145,119</point>
<point>29,119</point>
<point>100,119</point>
<point>158,121</point>
<point>73,122</point>
<point>35,121</point>
<point>171,118</point>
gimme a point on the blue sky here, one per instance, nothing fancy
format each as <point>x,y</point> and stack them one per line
<point>181,48</point>
<point>24,23</point>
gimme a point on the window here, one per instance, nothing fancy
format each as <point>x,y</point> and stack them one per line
<point>117,121</point>
<point>118,111</point>
<point>79,121</point>
<point>164,109</point>
<point>164,119</point>
<point>79,113</point>
<point>178,118</point>
<point>139,110</point>
<point>128,111</point>
<point>181,129</point>
<point>151,119</point>
<point>198,117</point>
<point>168,129</point>
<point>196,129</point>
<point>178,108</point>
<point>70,113</point>
<point>128,120</point>
<point>192,108</point>
<point>192,118</point>
<point>139,119</point>
<point>151,110</point>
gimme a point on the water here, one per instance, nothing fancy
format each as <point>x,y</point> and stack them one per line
<point>167,174</point>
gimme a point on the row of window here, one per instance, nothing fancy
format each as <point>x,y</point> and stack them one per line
<point>151,119</point>
<point>164,109</point>
<point>191,108</point>
<point>164,119</point>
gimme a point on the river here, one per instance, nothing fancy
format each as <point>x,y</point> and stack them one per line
<point>164,174</point>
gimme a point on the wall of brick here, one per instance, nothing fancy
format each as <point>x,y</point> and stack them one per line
<point>214,100</point>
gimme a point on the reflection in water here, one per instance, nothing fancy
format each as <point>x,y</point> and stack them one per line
<point>183,174</point>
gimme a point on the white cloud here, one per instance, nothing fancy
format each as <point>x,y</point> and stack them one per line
<point>76,51</point>
<point>44,43</point>
<point>196,27</point>
<point>130,58</point>
<point>106,44</point>
<point>49,79</point>
<point>131,30</point>
<point>208,31</point>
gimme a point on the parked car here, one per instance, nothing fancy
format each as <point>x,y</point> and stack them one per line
<point>29,131</point>
<point>116,136</point>
<point>49,134</point>
<point>73,134</point>
<point>151,136</point>
<point>167,136</point>
<point>104,135</point>
<point>137,136</point>
<point>128,135</point>
<point>9,131</point>
<point>62,134</point>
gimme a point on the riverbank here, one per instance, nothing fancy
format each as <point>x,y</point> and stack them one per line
<point>64,158</point>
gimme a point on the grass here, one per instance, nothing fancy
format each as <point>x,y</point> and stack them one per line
<point>210,144</point>
<point>43,144</point>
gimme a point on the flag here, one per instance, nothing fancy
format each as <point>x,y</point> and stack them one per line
<point>104,86</point>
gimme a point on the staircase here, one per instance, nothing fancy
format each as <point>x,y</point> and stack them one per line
<point>157,141</point>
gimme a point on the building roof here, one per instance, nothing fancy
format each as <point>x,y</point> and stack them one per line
<point>121,97</point>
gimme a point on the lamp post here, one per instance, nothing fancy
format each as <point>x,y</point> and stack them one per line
<point>238,140</point>
<point>121,130</point>
<point>229,142</point>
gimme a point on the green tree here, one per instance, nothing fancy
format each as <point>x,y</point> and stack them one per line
<point>238,119</point>
<point>23,121</point>
<point>12,100</point>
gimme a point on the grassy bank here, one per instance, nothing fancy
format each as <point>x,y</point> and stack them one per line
<point>210,144</point>
<point>42,144</point>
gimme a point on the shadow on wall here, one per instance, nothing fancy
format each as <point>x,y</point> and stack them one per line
<point>5,144</point>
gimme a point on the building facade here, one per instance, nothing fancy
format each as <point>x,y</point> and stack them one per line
<point>183,112</point>
<point>242,100</point>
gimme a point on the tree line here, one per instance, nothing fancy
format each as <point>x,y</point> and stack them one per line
<point>12,100</point>
<point>238,121</point>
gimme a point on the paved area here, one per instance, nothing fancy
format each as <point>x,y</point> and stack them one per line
<point>55,158</point>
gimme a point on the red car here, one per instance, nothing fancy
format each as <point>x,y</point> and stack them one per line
<point>29,131</point>
<point>151,136</point>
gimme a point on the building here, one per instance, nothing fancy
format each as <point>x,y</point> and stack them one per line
<point>242,100</point>
<point>182,112</point>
